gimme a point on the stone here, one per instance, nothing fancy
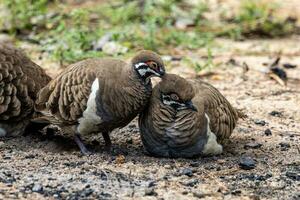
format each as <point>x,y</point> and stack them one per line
<point>252,145</point>
<point>268,132</point>
<point>247,163</point>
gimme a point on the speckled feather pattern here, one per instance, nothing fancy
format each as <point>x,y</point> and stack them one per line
<point>121,95</point>
<point>166,132</point>
<point>20,81</point>
<point>223,117</point>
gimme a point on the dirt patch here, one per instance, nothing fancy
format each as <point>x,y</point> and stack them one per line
<point>43,167</point>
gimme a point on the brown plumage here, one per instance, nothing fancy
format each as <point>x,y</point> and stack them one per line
<point>99,95</point>
<point>184,118</point>
<point>20,81</point>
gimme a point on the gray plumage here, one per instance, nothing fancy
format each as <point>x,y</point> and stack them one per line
<point>185,117</point>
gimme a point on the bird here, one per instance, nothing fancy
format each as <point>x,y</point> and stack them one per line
<point>20,81</point>
<point>97,95</point>
<point>186,118</point>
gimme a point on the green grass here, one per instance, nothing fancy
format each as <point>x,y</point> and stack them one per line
<point>22,13</point>
<point>68,37</point>
<point>258,19</point>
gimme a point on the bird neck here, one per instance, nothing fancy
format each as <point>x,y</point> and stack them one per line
<point>140,71</point>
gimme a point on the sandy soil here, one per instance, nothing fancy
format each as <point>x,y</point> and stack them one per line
<point>47,167</point>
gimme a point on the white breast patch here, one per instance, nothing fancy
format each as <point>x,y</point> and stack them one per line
<point>211,147</point>
<point>89,120</point>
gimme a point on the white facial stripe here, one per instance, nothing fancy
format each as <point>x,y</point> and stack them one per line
<point>166,102</point>
<point>142,70</point>
<point>140,64</point>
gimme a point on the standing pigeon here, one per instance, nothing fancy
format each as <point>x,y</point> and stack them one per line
<point>99,95</point>
<point>20,81</point>
<point>186,119</point>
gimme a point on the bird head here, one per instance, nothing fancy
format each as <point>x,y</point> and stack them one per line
<point>147,64</point>
<point>176,92</point>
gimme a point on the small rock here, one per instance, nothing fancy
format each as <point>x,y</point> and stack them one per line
<point>183,23</point>
<point>289,66</point>
<point>37,188</point>
<point>190,183</point>
<point>98,45</point>
<point>152,183</point>
<point>276,113</point>
<point>150,192</point>
<point>268,132</point>
<point>253,145</point>
<point>113,48</point>
<point>236,192</point>
<point>284,146</point>
<point>200,194</point>
<point>247,163</point>
<point>2,132</point>
<point>187,171</point>
<point>293,175</point>
<point>260,122</point>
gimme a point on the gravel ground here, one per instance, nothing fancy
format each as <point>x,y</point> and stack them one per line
<point>262,161</point>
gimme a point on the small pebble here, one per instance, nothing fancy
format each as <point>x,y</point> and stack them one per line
<point>276,113</point>
<point>247,163</point>
<point>187,171</point>
<point>37,188</point>
<point>2,132</point>
<point>284,146</point>
<point>268,132</point>
<point>150,192</point>
<point>289,66</point>
<point>293,175</point>
<point>260,122</point>
<point>252,145</point>
<point>190,183</point>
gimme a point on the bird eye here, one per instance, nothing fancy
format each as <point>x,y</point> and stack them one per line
<point>174,97</point>
<point>154,66</point>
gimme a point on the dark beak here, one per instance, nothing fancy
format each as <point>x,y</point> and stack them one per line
<point>190,105</point>
<point>162,71</point>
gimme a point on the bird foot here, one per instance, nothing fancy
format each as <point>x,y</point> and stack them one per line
<point>81,145</point>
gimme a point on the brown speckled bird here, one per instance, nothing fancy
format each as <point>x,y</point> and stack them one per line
<point>20,81</point>
<point>99,95</point>
<point>186,119</point>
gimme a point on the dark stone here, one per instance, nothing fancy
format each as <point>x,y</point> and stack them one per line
<point>268,132</point>
<point>30,156</point>
<point>152,184</point>
<point>236,192</point>
<point>150,192</point>
<point>260,122</point>
<point>247,163</point>
<point>289,66</point>
<point>284,146</point>
<point>279,72</point>
<point>276,113</point>
<point>293,175</point>
<point>252,145</point>
<point>37,188</point>
<point>187,171</point>
<point>190,183</point>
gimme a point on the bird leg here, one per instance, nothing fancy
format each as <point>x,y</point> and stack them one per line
<point>81,145</point>
<point>107,140</point>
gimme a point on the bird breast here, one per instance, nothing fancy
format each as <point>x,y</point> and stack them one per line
<point>89,120</point>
